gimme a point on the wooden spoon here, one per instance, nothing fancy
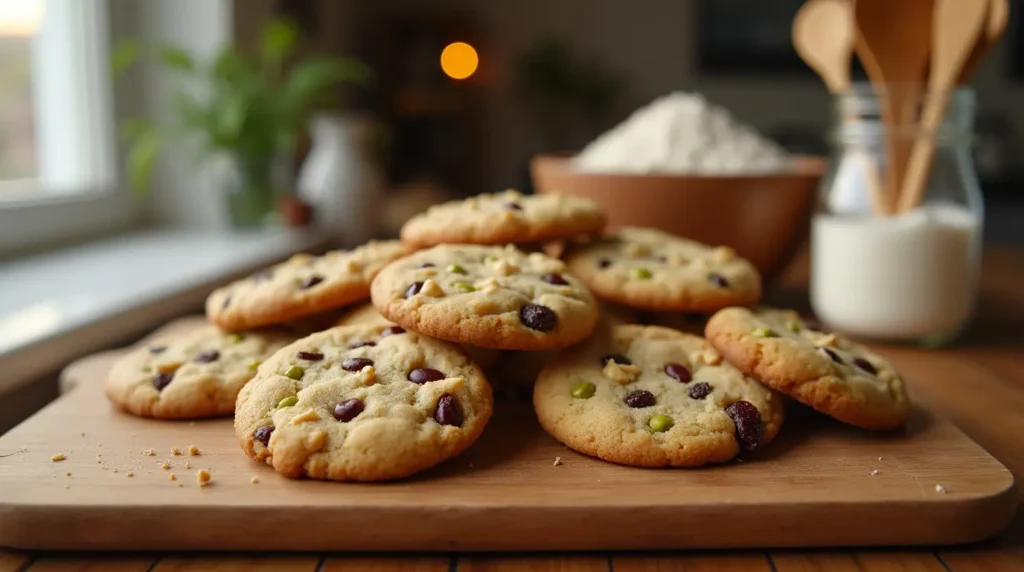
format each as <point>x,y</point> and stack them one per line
<point>995,26</point>
<point>823,37</point>
<point>958,25</point>
<point>893,40</point>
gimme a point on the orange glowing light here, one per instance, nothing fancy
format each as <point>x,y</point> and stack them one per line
<point>459,60</point>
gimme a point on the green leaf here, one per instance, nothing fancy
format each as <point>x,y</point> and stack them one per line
<point>126,54</point>
<point>134,128</point>
<point>177,58</point>
<point>317,74</point>
<point>278,41</point>
<point>230,118</point>
<point>141,158</point>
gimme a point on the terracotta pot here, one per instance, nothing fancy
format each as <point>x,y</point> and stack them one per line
<point>765,218</point>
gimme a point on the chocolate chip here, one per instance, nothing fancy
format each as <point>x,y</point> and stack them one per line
<point>311,356</point>
<point>427,265</point>
<point>700,390</point>
<point>161,380</point>
<point>835,357</point>
<point>639,398</point>
<point>157,349</point>
<point>617,358</point>
<point>262,275</point>
<point>262,434</point>
<point>718,280</point>
<point>422,375</point>
<point>207,357</point>
<point>362,345</point>
<point>865,365</point>
<point>513,206</point>
<point>537,317</point>
<point>392,331</point>
<point>448,411</point>
<point>604,263</point>
<point>678,372</point>
<point>311,281</point>
<point>556,279</point>
<point>355,364</point>
<point>747,419</point>
<point>413,289</point>
<point>348,409</point>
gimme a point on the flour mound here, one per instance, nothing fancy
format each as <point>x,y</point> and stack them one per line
<point>682,133</point>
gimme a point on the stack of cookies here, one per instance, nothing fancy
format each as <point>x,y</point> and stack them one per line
<point>470,297</point>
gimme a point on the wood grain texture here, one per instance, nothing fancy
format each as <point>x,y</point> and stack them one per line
<point>387,564</point>
<point>503,494</point>
<point>263,563</point>
<point>93,563</point>
<point>543,563</point>
<point>874,561</point>
<point>14,560</point>
<point>692,563</point>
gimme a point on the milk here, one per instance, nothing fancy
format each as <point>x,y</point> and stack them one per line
<point>904,277</point>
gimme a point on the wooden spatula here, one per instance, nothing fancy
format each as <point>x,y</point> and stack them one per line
<point>893,41</point>
<point>957,26</point>
<point>995,25</point>
<point>823,37</point>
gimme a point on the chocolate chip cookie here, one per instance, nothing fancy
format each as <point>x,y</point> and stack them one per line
<point>827,372</point>
<point>367,314</point>
<point>303,286</point>
<point>362,403</point>
<point>486,296</point>
<point>190,375</point>
<point>651,270</point>
<point>500,218</point>
<point>652,397</point>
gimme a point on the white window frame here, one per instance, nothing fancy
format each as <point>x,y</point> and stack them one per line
<point>77,192</point>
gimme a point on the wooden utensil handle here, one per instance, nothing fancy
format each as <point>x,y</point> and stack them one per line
<point>922,155</point>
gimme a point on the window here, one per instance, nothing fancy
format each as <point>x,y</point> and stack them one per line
<point>58,151</point>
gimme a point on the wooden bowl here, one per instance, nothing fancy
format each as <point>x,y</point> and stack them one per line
<point>765,218</point>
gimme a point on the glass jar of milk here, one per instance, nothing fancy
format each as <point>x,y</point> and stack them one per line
<point>882,273</point>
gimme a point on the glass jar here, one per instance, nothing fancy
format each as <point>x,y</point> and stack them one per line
<point>881,273</point>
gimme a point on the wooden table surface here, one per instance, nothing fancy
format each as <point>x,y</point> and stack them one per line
<point>978,384</point>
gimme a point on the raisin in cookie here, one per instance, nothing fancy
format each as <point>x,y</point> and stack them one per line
<point>830,373</point>
<point>303,286</point>
<point>362,403</point>
<point>190,375</point>
<point>652,397</point>
<point>500,218</point>
<point>367,314</point>
<point>651,270</point>
<point>486,296</point>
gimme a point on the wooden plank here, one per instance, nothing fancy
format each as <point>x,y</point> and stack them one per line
<point>691,563</point>
<point>13,560</point>
<point>873,561</point>
<point>93,563</point>
<point>230,563</point>
<point>1002,554</point>
<point>387,564</point>
<point>545,563</point>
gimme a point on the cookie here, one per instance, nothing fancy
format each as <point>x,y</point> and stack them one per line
<point>486,296</point>
<point>650,396</point>
<point>362,403</point>
<point>506,217</point>
<point>190,375</point>
<point>367,314</point>
<point>648,269</point>
<point>827,372</point>
<point>302,286</point>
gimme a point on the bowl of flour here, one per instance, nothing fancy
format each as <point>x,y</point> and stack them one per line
<point>686,166</point>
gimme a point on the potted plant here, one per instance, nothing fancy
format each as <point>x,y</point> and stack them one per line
<point>248,111</point>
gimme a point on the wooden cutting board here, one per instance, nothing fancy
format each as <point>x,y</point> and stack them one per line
<point>819,484</point>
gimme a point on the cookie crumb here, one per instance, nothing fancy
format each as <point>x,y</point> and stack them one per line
<point>67,486</point>
<point>129,473</point>
<point>558,461</point>
<point>181,484</point>
<point>254,480</point>
<point>175,451</point>
<point>115,469</point>
<point>203,477</point>
<point>193,451</point>
<point>188,464</point>
<point>68,473</point>
<point>875,472</point>
<point>83,433</point>
<point>940,489</point>
<point>166,466</point>
<point>151,452</point>
<point>172,477</point>
<point>879,458</point>
<point>471,465</point>
<point>58,457</point>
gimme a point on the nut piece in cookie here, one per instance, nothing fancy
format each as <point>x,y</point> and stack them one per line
<point>673,409</point>
<point>506,217</point>
<point>826,371</point>
<point>467,294</point>
<point>652,270</point>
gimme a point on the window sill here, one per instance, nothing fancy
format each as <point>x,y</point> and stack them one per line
<point>65,304</point>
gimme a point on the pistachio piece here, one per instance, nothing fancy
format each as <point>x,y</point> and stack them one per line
<point>464,287</point>
<point>456,269</point>
<point>660,423</point>
<point>641,273</point>
<point>295,372</point>
<point>236,338</point>
<point>583,390</point>
<point>765,333</point>
<point>287,401</point>
<point>793,326</point>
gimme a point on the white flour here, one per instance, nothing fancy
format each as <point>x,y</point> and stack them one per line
<point>682,133</point>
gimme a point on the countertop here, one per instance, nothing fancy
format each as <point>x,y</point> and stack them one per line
<point>978,384</point>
